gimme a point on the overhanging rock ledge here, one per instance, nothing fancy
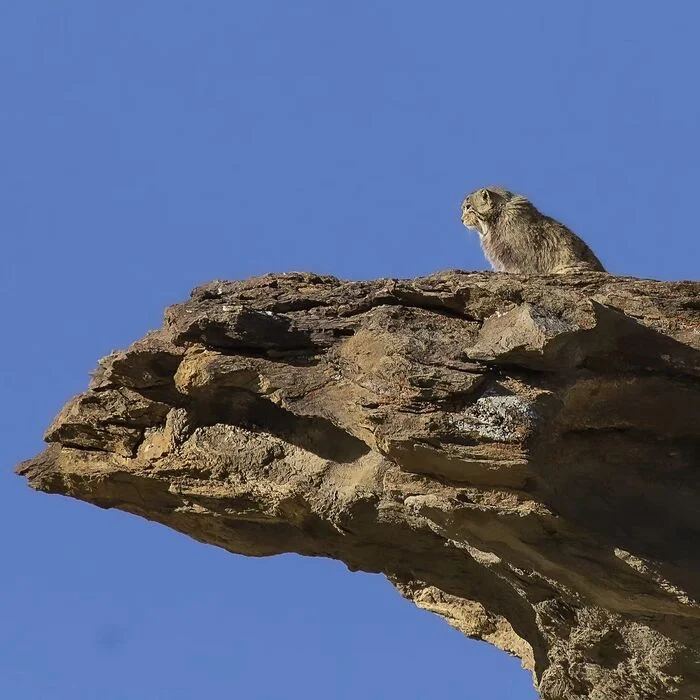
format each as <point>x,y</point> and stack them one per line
<point>519,455</point>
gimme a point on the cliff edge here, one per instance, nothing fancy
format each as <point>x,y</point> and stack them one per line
<point>520,455</point>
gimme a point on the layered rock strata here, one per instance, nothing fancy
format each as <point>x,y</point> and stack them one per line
<point>520,455</point>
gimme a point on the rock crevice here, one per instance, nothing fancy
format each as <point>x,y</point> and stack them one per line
<point>517,454</point>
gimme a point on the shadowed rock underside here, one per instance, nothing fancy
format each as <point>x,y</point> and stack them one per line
<point>516,454</point>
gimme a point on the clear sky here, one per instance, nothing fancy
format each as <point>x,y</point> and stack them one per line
<point>151,146</point>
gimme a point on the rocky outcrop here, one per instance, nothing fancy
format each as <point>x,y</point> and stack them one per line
<point>518,455</point>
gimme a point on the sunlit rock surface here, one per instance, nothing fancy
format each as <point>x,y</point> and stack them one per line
<point>519,455</point>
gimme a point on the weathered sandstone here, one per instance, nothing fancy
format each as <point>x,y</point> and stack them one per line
<point>520,455</point>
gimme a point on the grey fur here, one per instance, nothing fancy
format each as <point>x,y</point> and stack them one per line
<point>516,237</point>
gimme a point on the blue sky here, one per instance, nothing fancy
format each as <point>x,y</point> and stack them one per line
<point>151,146</point>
